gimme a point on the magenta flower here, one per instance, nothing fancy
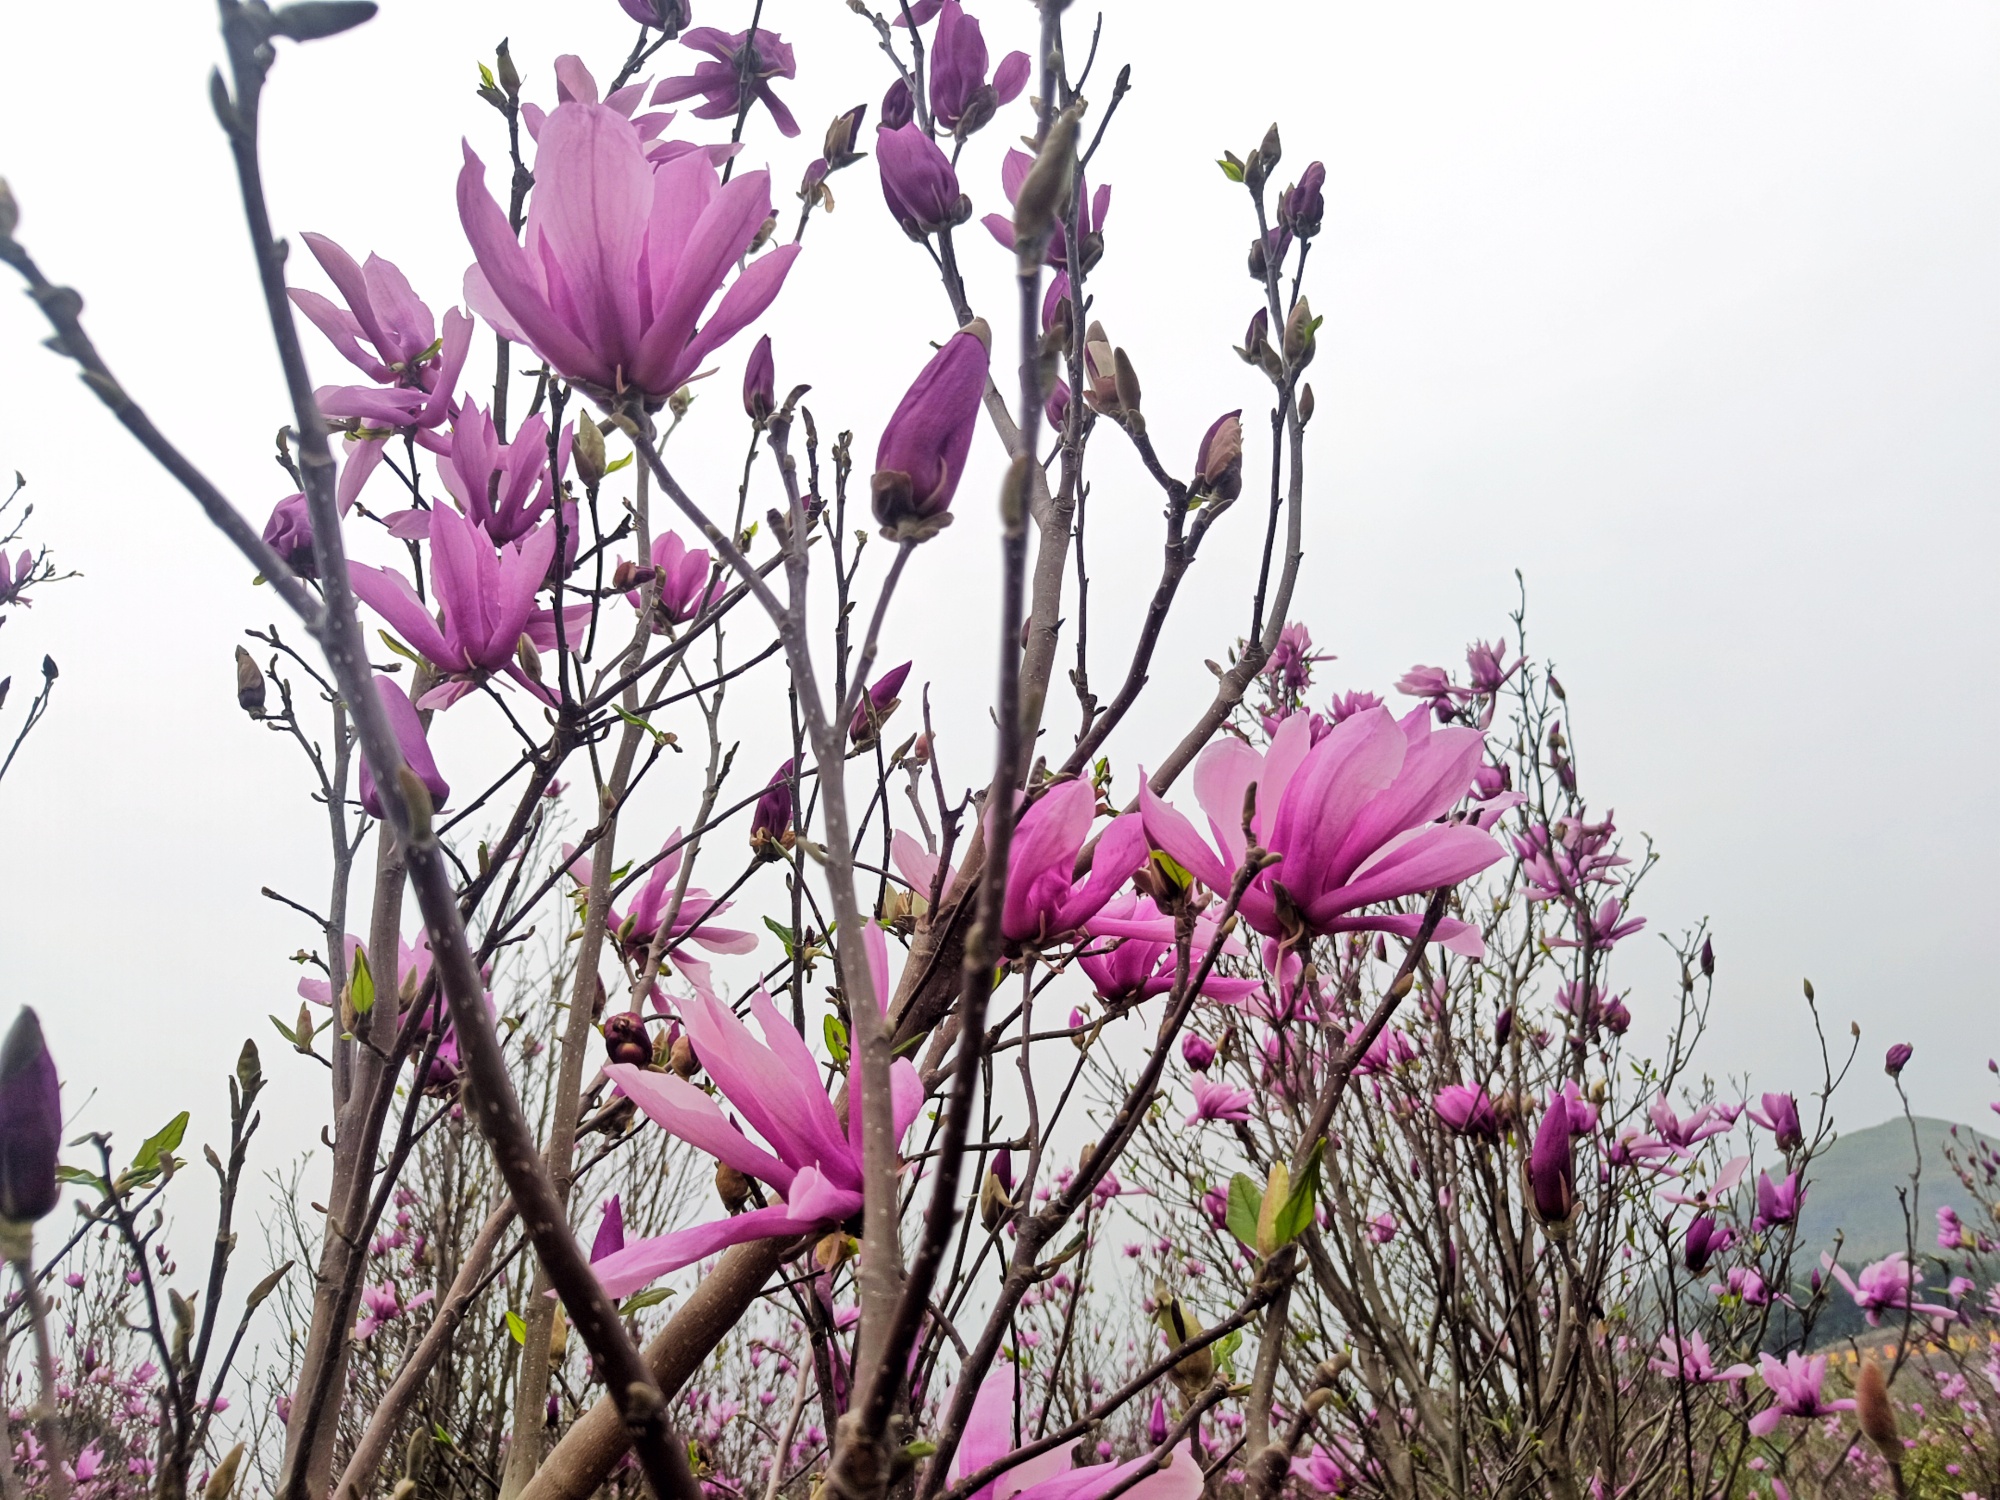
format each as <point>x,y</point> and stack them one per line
<point>621,257</point>
<point>1706,1239</point>
<point>1218,1101</point>
<point>487,604</point>
<point>610,1231</point>
<point>1602,930</point>
<point>683,571</point>
<point>384,1304</point>
<point>961,98</point>
<point>1688,1359</point>
<point>1432,684</point>
<point>414,370</point>
<point>989,1437</point>
<point>1778,1202</point>
<point>289,533</point>
<point>667,15</point>
<point>771,818</point>
<point>1290,668</point>
<point>1685,1134</point>
<point>1354,819</point>
<point>1197,1051</point>
<point>918,182</point>
<point>760,381</point>
<point>739,75</point>
<point>503,487</point>
<point>1780,1116</point>
<point>1324,1472</point>
<point>1467,1111</point>
<point>1552,1160</point>
<point>411,740</point>
<point>924,446</point>
<point>634,932</point>
<point>807,1158</point>
<point>1486,666</point>
<point>1014,170</point>
<point>880,701</point>
<point>1347,705</point>
<point>1886,1286</point>
<point>1045,905</point>
<point>1897,1059</point>
<point>30,1123</point>
<point>1795,1389</point>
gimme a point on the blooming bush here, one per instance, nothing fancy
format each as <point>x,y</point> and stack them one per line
<point>1261,1109</point>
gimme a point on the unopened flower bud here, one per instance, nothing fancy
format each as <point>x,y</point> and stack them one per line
<point>1707,959</point>
<point>681,1059</point>
<point>1330,1370</point>
<point>1047,186</point>
<point>1299,330</point>
<point>625,1039</point>
<point>897,108</point>
<point>1305,406</point>
<point>1126,381</point>
<point>529,658</point>
<point>249,684</point>
<point>1897,1059</point>
<point>10,211</point>
<point>1873,1413</point>
<point>30,1123</point>
<point>732,1187</point>
<point>994,1202</point>
<point>1218,462</point>
<point>587,448</point>
<point>760,380</point>
<point>505,73</point>
<point>1197,1051</point>
<point>838,148</point>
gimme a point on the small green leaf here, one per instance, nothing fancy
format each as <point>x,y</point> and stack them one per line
<point>399,648</point>
<point>836,1039</point>
<point>1246,1201</point>
<point>784,935</point>
<point>153,1153</point>
<point>617,463</point>
<point>640,1301</point>
<point>439,1435</point>
<point>1225,1351</point>
<point>486,76</point>
<point>1296,1216</point>
<point>660,736</point>
<point>80,1177</point>
<point>285,1031</point>
<point>516,1328</point>
<point>1231,170</point>
<point>361,988</point>
<point>919,1448</point>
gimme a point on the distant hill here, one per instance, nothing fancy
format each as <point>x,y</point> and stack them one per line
<point>1854,1183</point>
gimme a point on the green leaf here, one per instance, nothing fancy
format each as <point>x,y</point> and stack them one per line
<point>919,1448</point>
<point>1246,1202</point>
<point>617,463</point>
<point>154,1152</point>
<point>486,77</point>
<point>660,736</point>
<point>80,1177</point>
<point>1225,1351</point>
<point>836,1039</point>
<point>516,1328</point>
<point>1231,170</point>
<point>399,648</point>
<point>784,935</point>
<point>439,1435</point>
<point>640,1301</point>
<point>1296,1216</point>
<point>285,1031</point>
<point>361,988</point>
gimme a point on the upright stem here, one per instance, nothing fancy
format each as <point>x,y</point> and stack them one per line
<point>48,1410</point>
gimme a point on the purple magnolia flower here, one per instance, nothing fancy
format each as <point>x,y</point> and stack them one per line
<point>683,572</point>
<point>1897,1059</point>
<point>1322,1471</point>
<point>1292,659</point>
<point>1795,1390</point>
<point>760,382</point>
<point>1706,1239</point>
<point>1156,1422</point>
<point>504,487</point>
<point>1433,684</point>
<point>621,257</point>
<point>384,1304</point>
<point>807,1159</point>
<point>961,98</point>
<point>487,605</point>
<point>1684,1134</point>
<point>880,701</point>
<point>1137,968</point>
<point>1778,1202</point>
<point>289,533</point>
<point>30,1123</point>
<point>1354,819</point>
<point>918,182</point>
<point>410,739</point>
<point>1601,930</point>
<point>1467,1111</point>
<point>1952,1233</point>
<point>635,932</point>
<point>1303,205</point>
<point>668,15</point>
<point>989,1437</point>
<point>771,819</point>
<point>414,369</point>
<point>1552,1160</point>
<point>1218,1101</point>
<point>1093,208</point>
<point>1886,1286</point>
<point>924,446</point>
<point>610,1231</point>
<point>1045,904</point>
<point>1780,1116</point>
<point>1486,666</point>
<point>19,573</point>
<point>739,75</point>
<point>1688,1359</point>
<point>1197,1051</point>
<point>898,108</point>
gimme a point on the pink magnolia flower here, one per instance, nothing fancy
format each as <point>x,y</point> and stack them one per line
<point>808,1159</point>
<point>683,572</point>
<point>1468,1111</point>
<point>1689,1360</point>
<point>414,369</point>
<point>1137,968</point>
<point>621,258</point>
<point>1353,819</point>
<point>918,866</point>
<point>989,1437</point>
<point>1218,1101</point>
<point>1780,1116</point>
<point>960,94</point>
<point>410,739</point>
<point>486,604</point>
<point>1382,1228</point>
<point>503,487</point>
<point>1795,1390</point>
<point>721,82</point>
<point>1778,1202</point>
<point>383,1304</point>
<point>1045,904</point>
<point>1886,1286</point>
<point>1601,930</point>
<point>1323,1471</point>
<point>634,931</point>
<point>1091,206</point>
<point>1685,1134</point>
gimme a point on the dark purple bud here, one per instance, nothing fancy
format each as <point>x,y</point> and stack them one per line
<point>625,1039</point>
<point>1002,1167</point>
<point>1268,252</point>
<point>876,705</point>
<point>1218,463</point>
<point>1552,1167</point>
<point>924,446</point>
<point>30,1123</point>
<point>1897,1059</point>
<point>961,98</point>
<point>1256,344</point>
<point>1197,1051</point>
<point>1707,959</point>
<point>771,819</point>
<point>408,727</point>
<point>289,533</point>
<point>1303,205</point>
<point>1705,1240</point>
<point>897,110</point>
<point>1615,1018</point>
<point>760,383</point>
<point>918,182</point>
<point>1503,1028</point>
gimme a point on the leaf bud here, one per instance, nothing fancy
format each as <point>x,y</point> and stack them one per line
<point>681,1059</point>
<point>587,448</point>
<point>249,684</point>
<point>1874,1414</point>
<point>732,1187</point>
<point>1047,185</point>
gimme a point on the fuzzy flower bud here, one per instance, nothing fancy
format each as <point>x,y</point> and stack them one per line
<point>1218,462</point>
<point>1897,1059</point>
<point>249,684</point>
<point>30,1123</point>
<point>924,446</point>
<point>760,379</point>
<point>625,1039</point>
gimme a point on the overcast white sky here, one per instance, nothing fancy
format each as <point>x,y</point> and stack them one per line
<point>1687,312</point>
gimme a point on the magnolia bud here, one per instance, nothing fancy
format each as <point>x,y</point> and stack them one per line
<point>529,658</point>
<point>625,1039</point>
<point>1125,380</point>
<point>1877,1418</point>
<point>505,73</point>
<point>1047,185</point>
<point>249,684</point>
<point>587,448</point>
<point>994,1204</point>
<point>681,1059</point>
<point>732,1187</point>
<point>1299,330</point>
<point>1305,406</point>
